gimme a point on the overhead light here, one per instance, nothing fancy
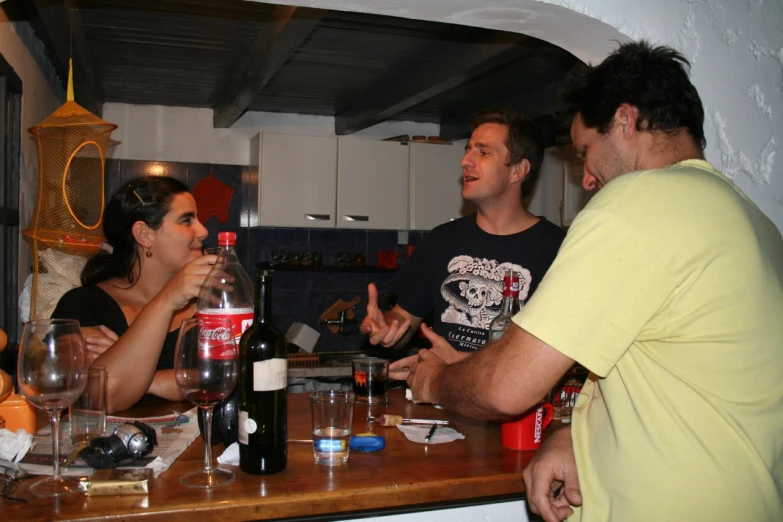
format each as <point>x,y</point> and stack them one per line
<point>155,169</point>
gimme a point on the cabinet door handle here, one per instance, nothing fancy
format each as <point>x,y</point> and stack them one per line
<point>318,217</point>
<point>347,217</point>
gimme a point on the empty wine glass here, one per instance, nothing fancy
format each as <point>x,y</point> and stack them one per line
<point>52,372</point>
<point>206,368</point>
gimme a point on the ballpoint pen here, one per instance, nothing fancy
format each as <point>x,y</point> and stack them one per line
<point>431,432</point>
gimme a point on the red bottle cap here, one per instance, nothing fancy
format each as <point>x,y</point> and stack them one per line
<point>511,285</point>
<point>227,238</point>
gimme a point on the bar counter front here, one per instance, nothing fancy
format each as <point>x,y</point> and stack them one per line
<point>404,477</point>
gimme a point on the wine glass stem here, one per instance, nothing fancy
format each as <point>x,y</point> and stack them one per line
<point>54,419</point>
<point>208,438</point>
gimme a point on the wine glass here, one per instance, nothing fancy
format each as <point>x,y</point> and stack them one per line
<point>206,369</point>
<point>52,373</point>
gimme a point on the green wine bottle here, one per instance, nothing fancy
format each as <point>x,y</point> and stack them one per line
<point>263,376</point>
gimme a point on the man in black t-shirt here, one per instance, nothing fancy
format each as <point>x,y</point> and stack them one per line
<point>456,272</point>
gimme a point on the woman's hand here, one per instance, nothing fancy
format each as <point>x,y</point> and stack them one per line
<point>97,339</point>
<point>185,285</point>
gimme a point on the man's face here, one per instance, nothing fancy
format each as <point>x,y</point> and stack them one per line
<point>603,158</point>
<point>485,174</point>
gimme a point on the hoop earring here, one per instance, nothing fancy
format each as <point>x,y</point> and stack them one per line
<point>148,253</point>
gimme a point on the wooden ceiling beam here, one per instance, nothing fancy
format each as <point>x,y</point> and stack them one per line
<point>91,95</point>
<point>533,104</point>
<point>285,31</point>
<point>462,64</point>
<point>63,23</point>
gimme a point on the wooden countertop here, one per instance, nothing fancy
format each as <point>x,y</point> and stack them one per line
<point>403,475</point>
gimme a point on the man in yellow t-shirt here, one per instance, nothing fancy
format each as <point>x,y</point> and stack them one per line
<point>668,288</point>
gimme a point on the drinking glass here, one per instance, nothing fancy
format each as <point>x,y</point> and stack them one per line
<point>52,372</point>
<point>206,369</point>
<point>370,380</point>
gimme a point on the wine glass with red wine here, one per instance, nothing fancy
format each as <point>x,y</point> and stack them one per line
<point>52,372</point>
<point>206,370</point>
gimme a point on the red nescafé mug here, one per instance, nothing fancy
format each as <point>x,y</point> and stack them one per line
<point>524,432</point>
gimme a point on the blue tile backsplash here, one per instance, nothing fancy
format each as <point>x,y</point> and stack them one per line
<point>298,296</point>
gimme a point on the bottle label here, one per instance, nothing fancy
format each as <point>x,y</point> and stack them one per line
<point>270,375</point>
<point>241,318</point>
<point>510,286</point>
<point>215,341</point>
<point>242,425</point>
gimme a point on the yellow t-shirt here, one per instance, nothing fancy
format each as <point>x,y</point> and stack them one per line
<point>668,288</point>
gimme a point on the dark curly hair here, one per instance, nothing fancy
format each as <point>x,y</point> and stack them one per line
<point>144,199</point>
<point>653,79</point>
<point>524,140</point>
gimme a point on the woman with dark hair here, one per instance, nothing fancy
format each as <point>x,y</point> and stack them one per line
<point>137,290</point>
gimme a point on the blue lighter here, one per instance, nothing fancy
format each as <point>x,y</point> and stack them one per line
<point>367,442</point>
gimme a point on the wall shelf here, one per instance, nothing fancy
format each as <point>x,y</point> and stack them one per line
<point>367,269</point>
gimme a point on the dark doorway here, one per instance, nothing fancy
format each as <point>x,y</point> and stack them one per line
<point>10,128</point>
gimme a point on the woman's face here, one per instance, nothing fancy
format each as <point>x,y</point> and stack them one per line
<point>179,238</point>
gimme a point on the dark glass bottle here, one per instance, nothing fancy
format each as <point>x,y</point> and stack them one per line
<point>224,421</point>
<point>263,377</point>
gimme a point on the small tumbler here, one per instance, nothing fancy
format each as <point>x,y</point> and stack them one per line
<point>332,414</point>
<point>370,380</point>
<point>87,416</point>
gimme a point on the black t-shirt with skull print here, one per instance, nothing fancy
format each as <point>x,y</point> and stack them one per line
<point>456,272</point>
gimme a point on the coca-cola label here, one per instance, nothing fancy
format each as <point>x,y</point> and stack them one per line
<point>215,340</point>
<point>241,318</point>
<point>220,333</point>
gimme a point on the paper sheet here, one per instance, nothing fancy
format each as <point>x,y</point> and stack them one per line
<point>175,432</point>
<point>418,433</point>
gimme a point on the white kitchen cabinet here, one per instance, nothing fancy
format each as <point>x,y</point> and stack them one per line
<point>297,180</point>
<point>372,184</point>
<point>436,185</point>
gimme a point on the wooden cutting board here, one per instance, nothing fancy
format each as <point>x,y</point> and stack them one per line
<point>333,312</point>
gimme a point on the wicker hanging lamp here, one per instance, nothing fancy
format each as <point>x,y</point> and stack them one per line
<point>71,146</point>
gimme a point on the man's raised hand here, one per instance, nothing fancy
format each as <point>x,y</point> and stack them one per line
<point>375,326</point>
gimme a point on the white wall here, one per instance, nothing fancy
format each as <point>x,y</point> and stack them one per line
<point>511,511</point>
<point>38,101</point>
<point>546,197</point>
<point>735,46</point>
<point>153,132</point>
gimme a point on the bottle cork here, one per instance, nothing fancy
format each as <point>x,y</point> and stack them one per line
<point>391,420</point>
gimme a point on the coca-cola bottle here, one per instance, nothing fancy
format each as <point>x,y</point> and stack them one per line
<point>508,308</point>
<point>227,292</point>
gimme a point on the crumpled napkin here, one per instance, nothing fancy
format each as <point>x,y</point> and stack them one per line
<point>417,433</point>
<point>14,446</point>
<point>410,397</point>
<point>158,466</point>
<point>230,455</point>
